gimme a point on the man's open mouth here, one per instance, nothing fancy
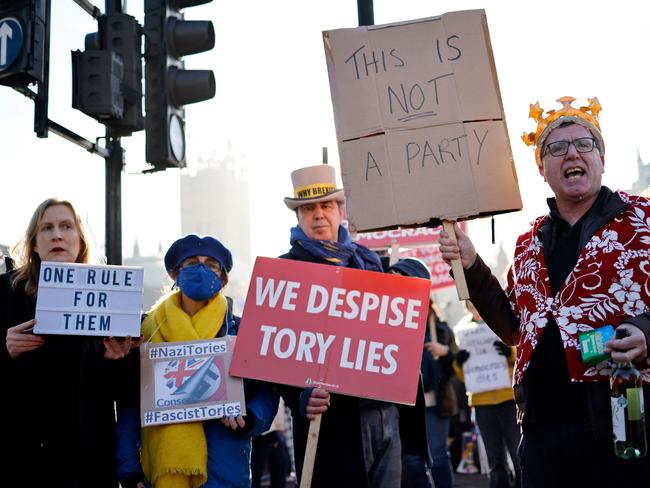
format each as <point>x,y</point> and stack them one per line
<point>572,173</point>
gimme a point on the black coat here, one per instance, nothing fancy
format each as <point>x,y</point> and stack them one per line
<point>438,373</point>
<point>56,415</point>
<point>339,456</point>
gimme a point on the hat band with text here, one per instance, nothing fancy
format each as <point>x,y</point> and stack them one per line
<point>314,190</point>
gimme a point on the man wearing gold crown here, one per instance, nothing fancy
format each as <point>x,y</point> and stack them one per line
<point>583,266</point>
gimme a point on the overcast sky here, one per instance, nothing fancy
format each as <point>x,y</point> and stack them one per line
<point>273,107</point>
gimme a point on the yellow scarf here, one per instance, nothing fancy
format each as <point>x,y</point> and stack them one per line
<point>176,455</point>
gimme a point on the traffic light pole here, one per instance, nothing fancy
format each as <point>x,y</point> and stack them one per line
<point>89,7</point>
<point>30,72</point>
<point>41,100</point>
<point>365,12</point>
<point>58,129</point>
<point>114,166</point>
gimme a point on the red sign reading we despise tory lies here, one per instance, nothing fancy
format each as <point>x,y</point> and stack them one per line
<point>345,330</point>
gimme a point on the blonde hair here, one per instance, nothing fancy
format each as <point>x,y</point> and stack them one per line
<point>29,262</point>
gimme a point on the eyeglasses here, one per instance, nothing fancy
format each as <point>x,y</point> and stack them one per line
<point>209,263</point>
<point>582,145</point>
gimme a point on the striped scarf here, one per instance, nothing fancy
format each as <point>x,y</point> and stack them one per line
<point>344,252</point>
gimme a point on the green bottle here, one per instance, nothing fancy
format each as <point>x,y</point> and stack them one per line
<point>628,415</point>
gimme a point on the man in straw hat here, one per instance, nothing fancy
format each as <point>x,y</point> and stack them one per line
<point>359,444</point>
<point>577,269</point>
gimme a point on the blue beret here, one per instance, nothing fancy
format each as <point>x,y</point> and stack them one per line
<point>194,245</point>
<point>411,267</point>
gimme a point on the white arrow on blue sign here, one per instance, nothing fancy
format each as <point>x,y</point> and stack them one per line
<point>11,41</point>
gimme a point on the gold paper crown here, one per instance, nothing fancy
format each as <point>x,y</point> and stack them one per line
<point>585,116</point>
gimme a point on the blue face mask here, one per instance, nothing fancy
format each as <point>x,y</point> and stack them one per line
<point>198,282</point>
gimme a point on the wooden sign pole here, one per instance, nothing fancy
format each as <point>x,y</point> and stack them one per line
<point>310,452</point>
<point>456,264</point>
<point>394,253</point>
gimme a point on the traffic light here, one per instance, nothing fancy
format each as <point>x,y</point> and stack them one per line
<point>97,76</point>
<point>23,34</point>
<point>107,76</point>
<point>168,86</point>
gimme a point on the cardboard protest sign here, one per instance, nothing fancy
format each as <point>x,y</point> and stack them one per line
<point>188,382</point>
<point>92,300</point>
<point>485,369</point>
<point>348,331</point>
<point>419,122</point>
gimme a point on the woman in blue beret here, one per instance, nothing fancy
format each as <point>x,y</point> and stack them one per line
<point>212,453</point>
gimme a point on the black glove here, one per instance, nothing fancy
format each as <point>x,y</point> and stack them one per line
<point>132,481</point>
<point>249,420</point>
<point>462,356</point>
<point>502,349</point>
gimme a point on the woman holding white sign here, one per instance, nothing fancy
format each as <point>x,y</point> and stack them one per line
<point>57,415</point>
<point>208,453</point>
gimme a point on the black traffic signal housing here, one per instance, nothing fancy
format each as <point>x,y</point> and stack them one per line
<point>107,76</point>
<point>168,86</point>
<point>23,36</point>
<point>97,77</point>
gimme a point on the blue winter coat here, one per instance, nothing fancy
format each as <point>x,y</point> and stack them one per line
<point>229,451</point>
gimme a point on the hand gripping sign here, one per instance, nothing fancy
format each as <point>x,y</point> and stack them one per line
<point>188,382</point>
<point>348,331</point>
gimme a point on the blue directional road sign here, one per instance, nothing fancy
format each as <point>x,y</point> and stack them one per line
<point>11,41</point>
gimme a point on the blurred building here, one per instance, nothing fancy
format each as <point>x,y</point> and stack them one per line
<point>156,282</point>
<point>501,265</point>
<point>642,185</point>
<point>4,251</point>
<point>215,201</point>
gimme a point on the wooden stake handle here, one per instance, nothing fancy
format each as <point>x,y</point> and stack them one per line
<point>456,264</point>
<point>394,253</point>
<point>310,452</point>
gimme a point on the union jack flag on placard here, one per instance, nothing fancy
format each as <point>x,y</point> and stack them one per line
<point>190,380</point>
<point>178,370</point>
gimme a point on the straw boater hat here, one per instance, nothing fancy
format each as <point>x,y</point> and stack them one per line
<point>314,184</point>
<point>585,116</point>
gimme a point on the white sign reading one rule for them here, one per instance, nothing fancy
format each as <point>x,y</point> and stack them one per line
<point>93,300</point>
